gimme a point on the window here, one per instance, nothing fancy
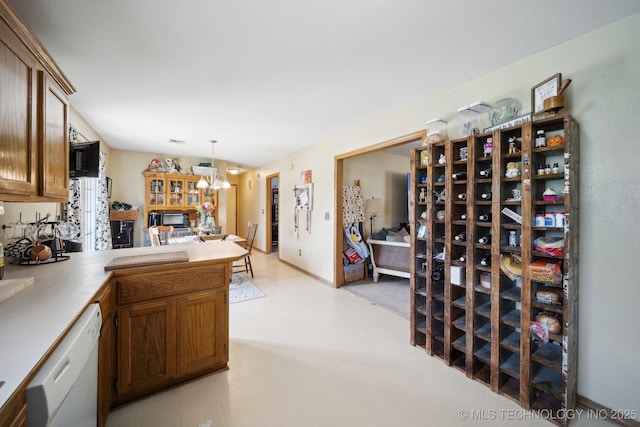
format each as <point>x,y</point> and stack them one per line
<point>88,202</point>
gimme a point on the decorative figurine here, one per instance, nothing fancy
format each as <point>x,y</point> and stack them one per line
<point>513,145</point>
<point>463,153</point>
<point>170,165</point>
<point>154,164</point>
<point>442,160</point>
<point>488,147</point>
<point>513,170</point>
<point>422,196</point>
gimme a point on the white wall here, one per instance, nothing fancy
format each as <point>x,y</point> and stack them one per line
<point>382,176</point>
<point>605,98</point>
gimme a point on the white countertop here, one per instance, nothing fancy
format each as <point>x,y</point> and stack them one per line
<point>33,320</point>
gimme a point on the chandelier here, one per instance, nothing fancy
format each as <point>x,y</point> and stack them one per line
<point>215,182</point>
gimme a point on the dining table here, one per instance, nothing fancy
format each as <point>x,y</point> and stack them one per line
<point>197,239</point>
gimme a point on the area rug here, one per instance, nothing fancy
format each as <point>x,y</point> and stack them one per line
<point>390,293</point>
<point>240,289</point>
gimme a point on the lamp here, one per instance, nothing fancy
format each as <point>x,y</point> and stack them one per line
<point>202,183</point>
<point>233,171</point>
<point>372,206</point>
<point>216,182</point>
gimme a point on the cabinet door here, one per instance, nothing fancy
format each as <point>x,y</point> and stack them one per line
<point>21,419</point>
<point>176,194</point>
<point>193,193</point>
<point>210,195</point>
<point>202,332</point>
<point>155,192</point>
<point>53,136</point>
<point>146,346</point>
<point>14,412</point>
<point>18,159</point>
<point>106,353</point>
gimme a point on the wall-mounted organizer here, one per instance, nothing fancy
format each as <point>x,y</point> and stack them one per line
<point>494,281</point>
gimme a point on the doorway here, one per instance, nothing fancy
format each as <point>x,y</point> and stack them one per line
<point>415,138</point>
<point>273,208</point>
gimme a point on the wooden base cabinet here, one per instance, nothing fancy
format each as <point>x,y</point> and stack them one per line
<point>14,413</point>
<point>146,347</point>
<point>171,326</point>
<point>479,252</point>
<point>203,332</point>
<point>106,352</point>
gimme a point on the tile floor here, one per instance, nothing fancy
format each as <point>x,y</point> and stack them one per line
<point>311,355</point>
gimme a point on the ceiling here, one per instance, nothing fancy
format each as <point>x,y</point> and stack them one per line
<point>268,78</point>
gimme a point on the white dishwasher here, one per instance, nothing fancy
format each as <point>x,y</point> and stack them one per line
<point>65,390</point>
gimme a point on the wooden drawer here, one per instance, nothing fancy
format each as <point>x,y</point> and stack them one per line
<point>146,286</point>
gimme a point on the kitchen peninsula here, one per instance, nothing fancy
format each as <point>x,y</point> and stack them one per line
<point>186,303</point>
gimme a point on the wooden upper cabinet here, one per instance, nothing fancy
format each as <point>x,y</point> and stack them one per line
<point>53,137</point>
<point>34,152</point>
<point>18,161</point>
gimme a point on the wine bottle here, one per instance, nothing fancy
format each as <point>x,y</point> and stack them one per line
<point>462,196</point>
<point>463,258</point>
<point>460,237</point>
<point>438,272</point>
<point>463,216</point>
<point>484,240</point>
<point>458,176</point>
<point>486,196</point>
<point>486,261</point>
<point>484,217</point>
<point>485,173</point>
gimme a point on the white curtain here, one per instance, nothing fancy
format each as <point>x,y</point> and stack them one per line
<point>103,230</point>
<point>74,208</point>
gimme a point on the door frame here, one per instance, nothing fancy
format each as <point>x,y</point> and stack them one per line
<point>235,212</point>
<point>338,274</point>
<point>269,214</point>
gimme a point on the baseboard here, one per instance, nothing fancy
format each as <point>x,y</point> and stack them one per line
<point>610,414</point>
<point>318,278</point>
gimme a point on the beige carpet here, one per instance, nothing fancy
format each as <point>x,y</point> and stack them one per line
<point>391,293</point>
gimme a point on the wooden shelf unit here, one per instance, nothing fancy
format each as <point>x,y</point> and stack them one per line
<point>176,193</point>
<point>485,331</point>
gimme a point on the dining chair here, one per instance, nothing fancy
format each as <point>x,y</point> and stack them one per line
<point>160,233</point>
<point>245,263</point>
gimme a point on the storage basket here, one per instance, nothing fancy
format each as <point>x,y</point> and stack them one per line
<point>204,170</point>
<point>353,272</point>
<point>123,215</point>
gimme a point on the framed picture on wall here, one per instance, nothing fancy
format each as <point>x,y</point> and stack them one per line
<point>543,90</point>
